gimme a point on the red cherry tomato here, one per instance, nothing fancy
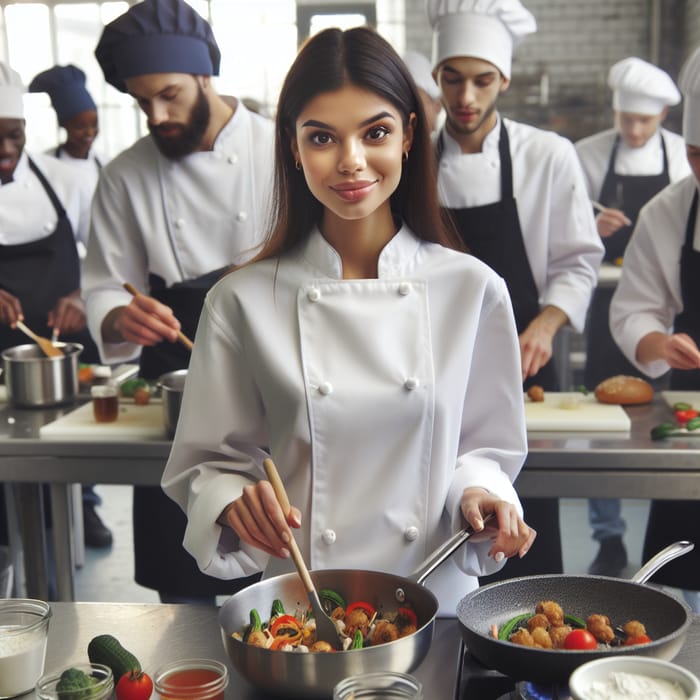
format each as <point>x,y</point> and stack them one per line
<point>134,685</point>
<point>580,639</point>
<point>637,639</point>
<point>685,415</point>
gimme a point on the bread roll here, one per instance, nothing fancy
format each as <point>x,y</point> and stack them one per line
<point>624,390</point>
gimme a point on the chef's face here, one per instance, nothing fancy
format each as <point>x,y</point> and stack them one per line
<point>637,129</point>
<point>12,139</point>
<point>350,144</point>
<point>177,110</point>
<point>81,131</point>
<point>470,88</point>
<point>693,154</point>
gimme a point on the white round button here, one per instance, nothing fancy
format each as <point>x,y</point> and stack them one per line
<point>411,383</point>
<point>411,533</point>
<point>242,216</point>
<point>179,223</point>
<point>233,159</point>
<point>328,536</point>
<point>404,289</point>
<point>314,294</point>
<point>325,388</point>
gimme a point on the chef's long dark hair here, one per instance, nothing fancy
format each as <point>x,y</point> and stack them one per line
<point>325,63</point>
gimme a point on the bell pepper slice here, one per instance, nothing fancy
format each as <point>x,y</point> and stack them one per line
<point>361,605</point>
<point>286,626</point>
<point>408,615</point>
<point>279,642</point>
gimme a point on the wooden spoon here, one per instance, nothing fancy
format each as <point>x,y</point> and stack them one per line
<point>47,347</point>
<point>326,629</point>
<point>180,335</point>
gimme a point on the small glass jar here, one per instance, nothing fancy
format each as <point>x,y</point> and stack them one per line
<point>105,402</point>
<point>379,686</point>
<point>24,627</point>
<point>101,690</point>
<point>191,679</point>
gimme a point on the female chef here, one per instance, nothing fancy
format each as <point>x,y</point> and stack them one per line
<point>380,367</point>
<point>655,319</point>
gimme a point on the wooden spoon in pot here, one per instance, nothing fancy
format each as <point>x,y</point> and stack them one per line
<point>326,629</point>
<point>47,347</point>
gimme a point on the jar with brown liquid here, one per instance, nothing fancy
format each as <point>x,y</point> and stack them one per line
<point>105,402</point>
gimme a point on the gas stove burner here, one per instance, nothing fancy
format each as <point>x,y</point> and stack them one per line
<point>532,691</point>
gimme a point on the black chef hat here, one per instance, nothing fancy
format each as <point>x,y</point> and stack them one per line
<point>157,36</point>
<point>66,88</point>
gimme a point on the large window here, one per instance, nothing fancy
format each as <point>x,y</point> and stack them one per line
<point>258,41</point>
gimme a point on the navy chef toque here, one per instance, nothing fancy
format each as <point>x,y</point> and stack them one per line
<point>157,36</point>
<point>66,88</point>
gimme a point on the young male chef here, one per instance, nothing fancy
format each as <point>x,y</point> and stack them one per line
<point>624,167</point>
<point>519,199</point>
<point>170,215</point>
<point>655,319</point>
<point>77,115</point>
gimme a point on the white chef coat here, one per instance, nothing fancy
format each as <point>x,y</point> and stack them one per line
<point>561,240</point>
<point>178,219</point>
<point>26,212</point>
<point>89,167</point>
<point>594,153</point>
<point>381,400</point>
<point>648,296</point>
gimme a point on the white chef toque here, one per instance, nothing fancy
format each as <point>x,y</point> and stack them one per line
<point>641,88</point>
<point>485,29</point>
<point>422,73</point>
<point>689,83</point>
<point>11,92</point>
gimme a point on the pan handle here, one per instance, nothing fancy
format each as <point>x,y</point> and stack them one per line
<point>667,554</point>
<point>443,552</point>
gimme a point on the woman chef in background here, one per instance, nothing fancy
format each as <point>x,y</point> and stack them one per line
<point>381,368</point>
<point>655,319</point>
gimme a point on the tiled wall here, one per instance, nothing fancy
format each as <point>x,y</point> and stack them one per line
<point>576,42</point>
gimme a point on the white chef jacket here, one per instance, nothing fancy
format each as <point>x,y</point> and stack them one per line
<point>648,296</point>
<point>26,212</point>
<point>178,219</point>
<point>89,167</point>
<point>381,400</point>
<point>561,240</point>
<point>594,153</point>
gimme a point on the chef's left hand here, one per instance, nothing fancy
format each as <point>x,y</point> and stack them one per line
<point>511,535</point>
<point>536,340</point>
<point>68,315</point>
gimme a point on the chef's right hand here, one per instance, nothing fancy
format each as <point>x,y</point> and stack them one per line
<point>680,352</point>
<point>611,220</point>
<point>258,520</point>
<point>144,321</point>
<point>10,308</point>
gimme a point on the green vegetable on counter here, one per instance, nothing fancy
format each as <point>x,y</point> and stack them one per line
<point>693,424</point>
<point>128,387</point>
<point>75,684</point>
<point>106,649</point>
<point>663,430</point>
<point>681,406</point>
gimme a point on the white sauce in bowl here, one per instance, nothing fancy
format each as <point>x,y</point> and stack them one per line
<point>21,660</point>
<point>623,686</point>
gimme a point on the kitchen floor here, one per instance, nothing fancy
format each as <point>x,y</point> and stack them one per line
<point>108,575</point>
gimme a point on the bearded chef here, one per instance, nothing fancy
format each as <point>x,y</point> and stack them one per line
<point>77,115</point>
<point>519,199</point>
<point>170,215</point>
<point>624,168</point>
<point>655,319</point>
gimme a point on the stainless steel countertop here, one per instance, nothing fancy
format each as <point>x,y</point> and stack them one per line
<point>160,633</point>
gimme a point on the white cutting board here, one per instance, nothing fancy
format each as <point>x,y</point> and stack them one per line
<point>591,415</point>
<point>691,397</point>
<point>134,422</point>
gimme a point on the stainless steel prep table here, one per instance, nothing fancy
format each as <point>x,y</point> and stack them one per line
<point>578,465</point>
<point>161,633</point>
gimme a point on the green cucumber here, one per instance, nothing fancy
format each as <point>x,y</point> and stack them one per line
<point>681,406</point>
<point>663,430</point>
<point>106,649</point>
<point>693,424</point>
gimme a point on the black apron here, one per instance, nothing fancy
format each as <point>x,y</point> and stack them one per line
<point>629,193</point>
<point>39,273</point>
<point>680,520</point>
<point>492,233</point>
<point>161,562</point>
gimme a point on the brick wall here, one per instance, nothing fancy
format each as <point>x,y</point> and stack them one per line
<point>575,44</point>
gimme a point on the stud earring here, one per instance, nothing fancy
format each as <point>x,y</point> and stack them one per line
<point>297,165</point>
